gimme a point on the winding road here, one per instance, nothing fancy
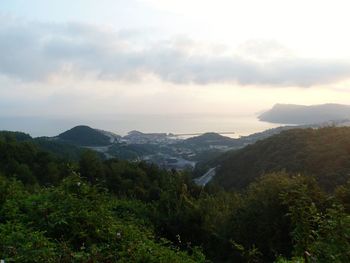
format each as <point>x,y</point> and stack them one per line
<point>205,178</point>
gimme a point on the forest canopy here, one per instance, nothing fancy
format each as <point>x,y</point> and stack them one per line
<point>92,210</point>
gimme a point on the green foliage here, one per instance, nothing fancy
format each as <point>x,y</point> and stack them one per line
<point>25,161</point>
<point>342,193</point>
<point>91,166</point>
<point>59,148</point>
<point>332,243</point>
<point>321,232</point>
<point>99,210</point>
<point>260,221</point>
<point>293,260</point>
<point>304,216</point>
<point>76,222</point>
<point>323,153</point>
<point>251,255</point>
<point>215,212</point>
<point>21,244</point>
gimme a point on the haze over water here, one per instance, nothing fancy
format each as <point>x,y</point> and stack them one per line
<point>175,66</point>
<point>122,124</point>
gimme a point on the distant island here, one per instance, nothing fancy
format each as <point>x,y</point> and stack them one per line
<point>301,114</point>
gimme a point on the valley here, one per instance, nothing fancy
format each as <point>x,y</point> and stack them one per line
<point>163,149</point>
<point>68,191</point>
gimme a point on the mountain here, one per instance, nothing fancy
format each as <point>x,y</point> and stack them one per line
<point>323,153</point>
<point>85,136</point>
<point>300,114</point>
<point>138,137</point>
<point>209,139</point>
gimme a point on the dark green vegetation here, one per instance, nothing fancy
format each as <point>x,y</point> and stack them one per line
<point>322,153</point>
<point>92,210</point>
<point>54,210</point>
<point>132,151</point>
<point>210,138</point>
<point>85,136</point>
<point>59,148</point>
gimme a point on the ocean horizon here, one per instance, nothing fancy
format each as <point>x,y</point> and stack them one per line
<point>238,125</point>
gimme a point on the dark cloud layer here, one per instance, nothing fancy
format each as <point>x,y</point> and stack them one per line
<point>34,51</point>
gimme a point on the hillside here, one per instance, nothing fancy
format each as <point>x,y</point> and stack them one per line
<point>324,153</point>
<point>300,114</point>
<point>91,209</point>
<point>209,138</point>
<point>85,136</point>
<point>59,148</point>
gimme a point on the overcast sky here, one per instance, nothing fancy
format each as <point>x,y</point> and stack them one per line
<point>86,58</point>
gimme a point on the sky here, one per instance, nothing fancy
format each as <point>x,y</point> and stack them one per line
<point>101,59</point>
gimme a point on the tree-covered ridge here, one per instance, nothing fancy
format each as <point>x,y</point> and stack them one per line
<point>323,153</point>
<point>210,138</point>
<point>22,159</point>
<point>116,211</point>
<point>59,148</point>
<point>85,136</point>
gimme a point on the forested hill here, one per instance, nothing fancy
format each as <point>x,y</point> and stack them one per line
<point>85,136</point>
<point>210,138</point>
<point>94,210</point>
<point>323,153</point>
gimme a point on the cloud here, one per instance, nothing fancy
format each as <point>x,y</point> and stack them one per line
<point>31,51</point>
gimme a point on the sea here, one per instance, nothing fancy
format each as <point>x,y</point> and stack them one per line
<point>180,124</point>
